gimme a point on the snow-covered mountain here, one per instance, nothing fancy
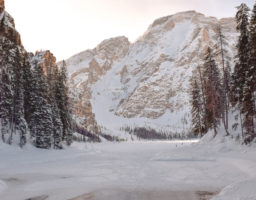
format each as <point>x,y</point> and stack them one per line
<point>145,83</point>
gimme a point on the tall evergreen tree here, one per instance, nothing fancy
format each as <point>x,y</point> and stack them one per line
<point>5,104</point>
<point>228,79</point>
<point>6,89</point>
<point>252,61</point>
<point>202,86</point>
<point>196,108</point>
<point>41,124</point>
<point>244,70</point>
<point>28,90</point>
<point>57,127</point>
<point>19,115</point>
<point>63,104</point>
<point>57,124</point>
<point>213,92</point>
<point>248,106</point>
<point>239,88</point>
<point>221,49</point>
<point>13,122</point>
<point>242,16</point>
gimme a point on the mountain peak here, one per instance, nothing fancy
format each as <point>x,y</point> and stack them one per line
<point>116,41</point>
<point>162,20</point>
<point>113,48</point>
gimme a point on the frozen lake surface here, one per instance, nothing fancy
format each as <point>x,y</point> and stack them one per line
<point>175,170</point>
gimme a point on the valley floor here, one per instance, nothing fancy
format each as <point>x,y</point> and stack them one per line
<point>178,170</point>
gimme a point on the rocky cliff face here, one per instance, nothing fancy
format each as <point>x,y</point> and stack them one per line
<point>11,48</point>
<point>47,61</point>
<point>85,69</point>
<point>7,26</point>
<point>2,6</point>
<point>146,83</point>
<point>45,58</point>
<point>9,34</point>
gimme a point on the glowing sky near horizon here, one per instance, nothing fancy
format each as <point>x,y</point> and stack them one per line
<point>67,27</point>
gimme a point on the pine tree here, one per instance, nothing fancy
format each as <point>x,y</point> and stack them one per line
<point>213,92</point>
<point>5,104</point>
<point>252,61</point>
<point>57,124</point>
<point>19,116</point>
<point>57,127</point>
<point>228,79</point>
<point>41,125</point>
<point>248,111</point>
<point>197,108</point>
<point>12,89</point>
<point>63,104</point>
<point>243,52</point>
<point>202,84</point>
<point>242,63</point>
<point>6,90</point>
<point>244,69</point>
<point>248,106</point>
<point>221,49</point>
<point>28,90</point>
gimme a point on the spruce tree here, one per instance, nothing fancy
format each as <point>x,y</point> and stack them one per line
<point>196,108</point>
<point>5,104</point>
<point>28,90</point>
<point>252,61</point>
<point>57,124</point>
<point>63,104</point>
<point>6,90</point>
<point>57,127</point>
<point>198,75</point>
<point>41,125</point>
<point>248,106</point>
<point>228,79</point>
<point>13,122</point>
<point>19,115</point>
<point>221,50</point>
<point>244,71</point>
<point>213,92</point>
<point>241,65</point>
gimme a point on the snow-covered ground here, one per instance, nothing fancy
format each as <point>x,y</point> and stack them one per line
<point>138,170</point>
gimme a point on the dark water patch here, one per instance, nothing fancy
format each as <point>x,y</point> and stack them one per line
<point>42,197</point>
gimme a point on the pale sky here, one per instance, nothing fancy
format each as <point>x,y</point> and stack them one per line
<point>67,27</point>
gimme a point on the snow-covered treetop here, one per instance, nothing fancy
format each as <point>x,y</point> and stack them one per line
<point>242,16</point>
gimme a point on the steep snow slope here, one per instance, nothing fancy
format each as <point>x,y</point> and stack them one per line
<point>147,83</point>
<point>85,69</point>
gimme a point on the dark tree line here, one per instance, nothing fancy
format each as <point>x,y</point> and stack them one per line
<point>34,103</point>
<point>215,90</point>
<point>148,133</point>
